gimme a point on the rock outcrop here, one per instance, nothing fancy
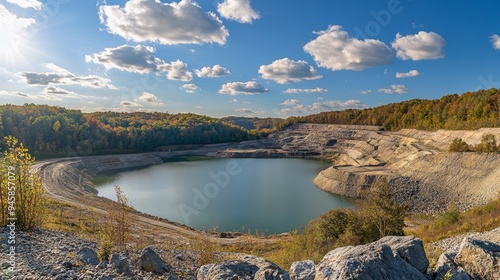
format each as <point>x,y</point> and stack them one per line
<point>250,267</point>
<point>377,260</point>
<point>303,270</point>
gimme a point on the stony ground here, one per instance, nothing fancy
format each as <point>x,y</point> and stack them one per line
<point>45,254</point>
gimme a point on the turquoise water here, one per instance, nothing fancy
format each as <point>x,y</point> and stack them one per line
<point>270,195</point>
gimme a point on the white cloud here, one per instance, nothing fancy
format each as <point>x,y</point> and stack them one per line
<point>244,110</point>
<point>305,90</point>
<point>322,107</point>
<point>191,88</point>
<point>409,74</point>
<point>366,91</point>
<point>291,102</point>
<point>139,59</point>
<point>398,89</point>
<point>35,4</point>
<point>130,104</point>
<point>10,23</point>
<point>182,22</point>
<point>285,71</point>
<point>61,76</point>
<point>495,40</point>
<point>212,72</point>
<point>238,10</point>
<point>424,45</point>
<point>247,88</point>
<point>178,71</point>
<point>335,49</point>
<point>59,91</point>
<point>149,98</point>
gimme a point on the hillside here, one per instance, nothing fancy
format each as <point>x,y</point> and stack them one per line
<point>470,110</point>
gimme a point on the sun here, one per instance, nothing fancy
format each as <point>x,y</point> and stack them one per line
<point>13,39</point>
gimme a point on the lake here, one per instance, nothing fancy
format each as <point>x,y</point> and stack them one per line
<point>270,195</point>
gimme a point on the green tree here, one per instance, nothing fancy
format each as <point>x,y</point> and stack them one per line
<point>380,214</point>
<point>21,191</point>
<point>458,145</point>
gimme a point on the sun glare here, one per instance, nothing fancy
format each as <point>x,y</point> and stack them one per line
<point>13,40</point>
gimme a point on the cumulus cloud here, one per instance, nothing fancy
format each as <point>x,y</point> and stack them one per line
<point>394,89</point>
<point>59,91</point>
<point>291,102</point>
<point>11,24</point>
<point>178,71</point>
<point>130,104</point>
<point>238,10</point>
<point>191,88</point>
<point>423,45</point>
<point>409,74</point>
<point>335,49</point>
<point>244,110</point>
<point>212,72</point>
<point>495,40</point>
<point>305,90</point>
<point>366,91</point>
<point>35,4</point>
<point>61,76</point>
<point>316,107</point>
<point>246,88</point>
<point>285,71</point>
<point>139,59</point>
<point>182,22</point>
<point>149,98</point>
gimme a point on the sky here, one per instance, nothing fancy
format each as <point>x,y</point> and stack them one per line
<point>259,58</point>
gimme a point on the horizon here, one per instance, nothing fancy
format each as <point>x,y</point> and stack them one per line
<point>243,58</point>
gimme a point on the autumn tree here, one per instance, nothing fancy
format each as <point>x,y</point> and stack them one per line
<point>119,214</point>
<point>21,191</point>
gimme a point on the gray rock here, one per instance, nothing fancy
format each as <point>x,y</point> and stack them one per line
<point>304,270</point>
<point>409,248</point>
<point>151,262</point>
<point>248,268</point>
<point>88,256</point>
<point>480,259</point>
<point>371,261</point>
<point>120,263</point>
<point>446,267</point>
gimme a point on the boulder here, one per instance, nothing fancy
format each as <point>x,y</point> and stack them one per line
<point>250,267</point>
<point>120,263</point>
<point>479,258</point>
<point>88,256</point>
<point>371,261</point>
<point>409,248</point>
<point>446,268</point>
<point>150,261</point>
<point>304,270</point>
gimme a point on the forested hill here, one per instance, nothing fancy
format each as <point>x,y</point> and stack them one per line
<point>55,131</point>
<point>470,110</point>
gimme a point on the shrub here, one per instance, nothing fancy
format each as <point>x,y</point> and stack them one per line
<point>21,191</point>
<point>488,144</point>
<point>458,145</point>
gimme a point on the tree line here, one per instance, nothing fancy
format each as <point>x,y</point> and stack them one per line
<point>471,110</point>
<point>56,131</point>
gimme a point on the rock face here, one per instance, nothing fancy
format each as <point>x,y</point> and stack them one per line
<point>304,270</point>
<point>151,262</point>
<point>480,259</point>
<point>476,257</point>
<point>377,260</point>
<point>249,267</point>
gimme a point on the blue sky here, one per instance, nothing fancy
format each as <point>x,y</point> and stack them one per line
<point>264,58</point>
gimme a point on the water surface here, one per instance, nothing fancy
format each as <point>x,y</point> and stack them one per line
<point>271,195</point>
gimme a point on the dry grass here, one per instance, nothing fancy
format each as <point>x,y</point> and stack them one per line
<point>451,223</point>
